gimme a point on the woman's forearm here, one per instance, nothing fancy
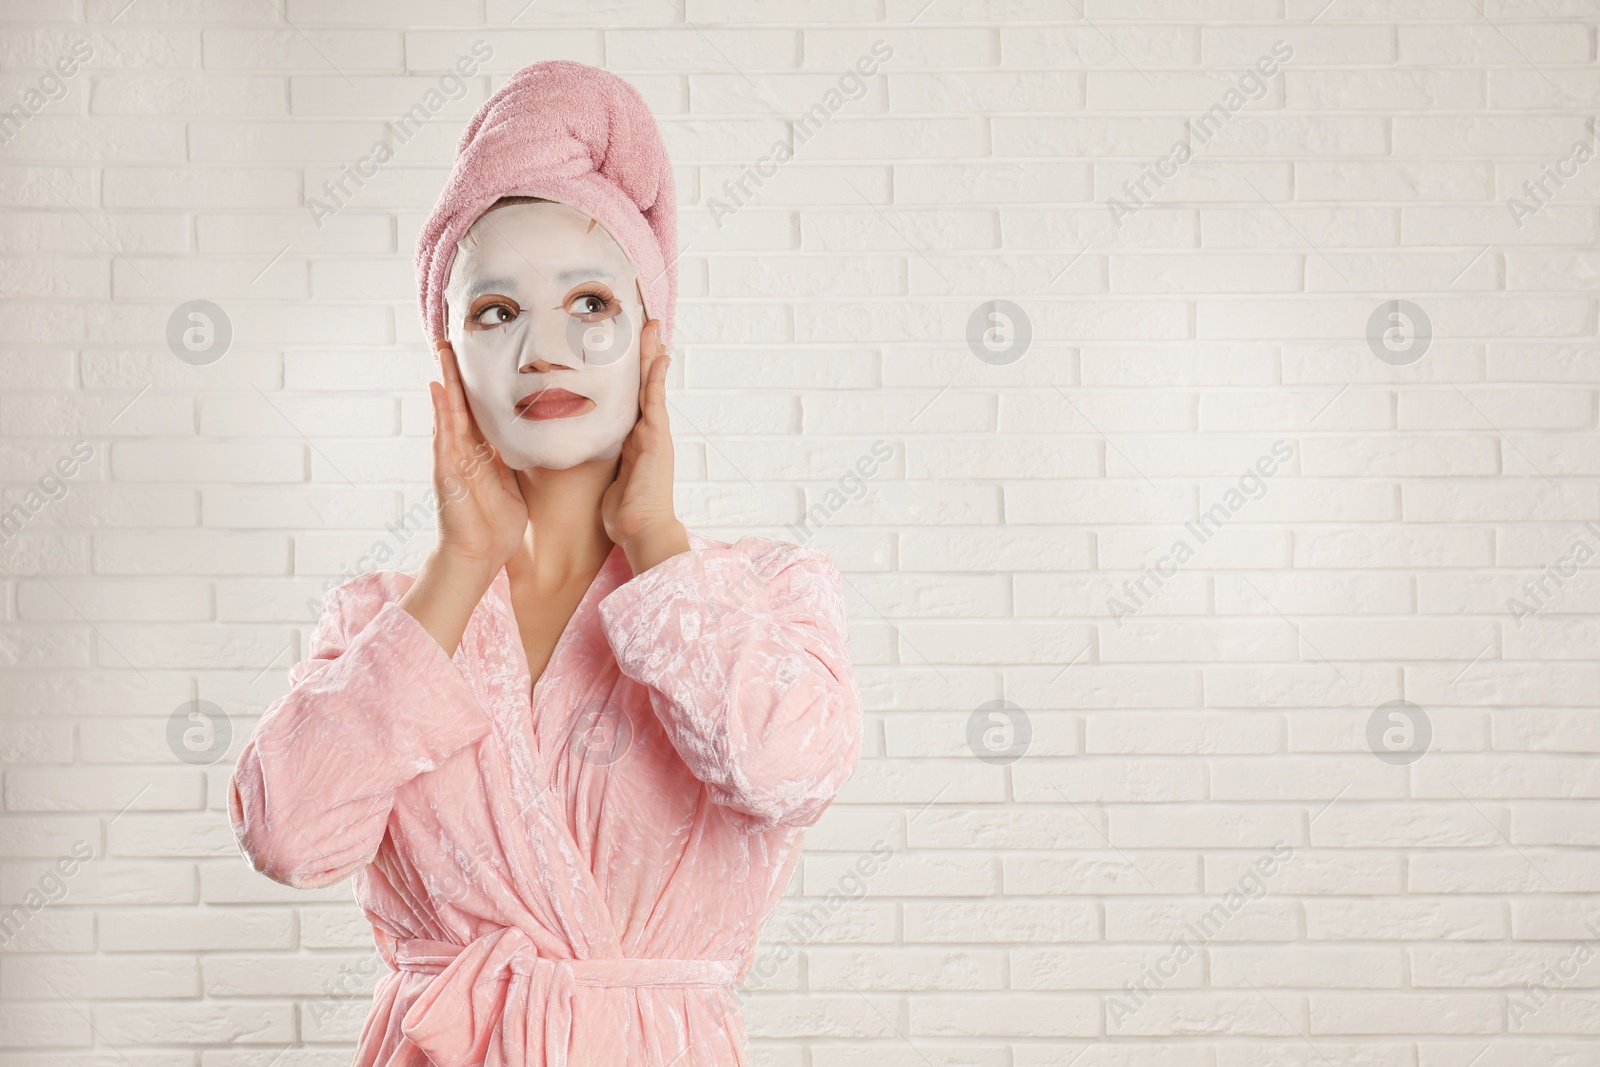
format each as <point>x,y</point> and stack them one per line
<point>444,595</point>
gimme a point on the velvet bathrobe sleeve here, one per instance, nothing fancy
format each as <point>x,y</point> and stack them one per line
<point>745,651</point>
<point>377,703</point>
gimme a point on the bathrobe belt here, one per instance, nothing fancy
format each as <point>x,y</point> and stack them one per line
<point>458,1015</point>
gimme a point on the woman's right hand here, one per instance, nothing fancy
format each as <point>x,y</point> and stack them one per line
<point>482,517</point>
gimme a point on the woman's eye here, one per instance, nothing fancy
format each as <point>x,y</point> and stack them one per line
<point>495,315</point>
<point>590,304</point>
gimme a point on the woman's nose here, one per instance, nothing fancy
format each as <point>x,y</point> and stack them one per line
<point>537,365</point>
<point>548,346</point>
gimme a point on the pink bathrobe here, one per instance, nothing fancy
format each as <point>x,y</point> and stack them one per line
<point>577,879</point>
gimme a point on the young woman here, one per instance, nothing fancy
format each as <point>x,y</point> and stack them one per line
<point>571,760</point>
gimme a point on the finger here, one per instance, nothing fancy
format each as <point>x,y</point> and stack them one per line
<point>447,361</point>
<point>649,345</point>
<point>447,407</point>
<point>652,382</point>
<point>443,459</point>
<point>658,387</point>
<point>434,389</point>
<point>444,439</point>
<point>458,392</point>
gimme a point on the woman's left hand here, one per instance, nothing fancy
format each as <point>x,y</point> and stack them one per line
<point>637,507</point>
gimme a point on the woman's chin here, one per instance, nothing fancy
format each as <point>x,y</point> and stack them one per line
<point>565,461</point>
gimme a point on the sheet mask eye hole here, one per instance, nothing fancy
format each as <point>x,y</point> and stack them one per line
<point>494,315</point>
<point>583,306</point>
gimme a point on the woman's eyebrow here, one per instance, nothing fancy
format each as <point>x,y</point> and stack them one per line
<point>584,272</point>
<point>509,285</point>
<point>489,285</point>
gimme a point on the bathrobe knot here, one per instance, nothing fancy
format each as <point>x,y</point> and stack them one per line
<point>459,1019</point>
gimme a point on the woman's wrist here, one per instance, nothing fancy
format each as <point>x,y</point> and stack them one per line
<point>472,575</point>
<point>445,594</point>
<point>655,544</point>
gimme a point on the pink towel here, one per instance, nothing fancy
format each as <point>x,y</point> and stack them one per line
<point>570,132</point>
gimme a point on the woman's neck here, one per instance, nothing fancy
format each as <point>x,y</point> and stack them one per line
<point>566,539</point>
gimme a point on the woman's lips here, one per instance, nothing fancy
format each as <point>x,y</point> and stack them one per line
<point>550,404</point>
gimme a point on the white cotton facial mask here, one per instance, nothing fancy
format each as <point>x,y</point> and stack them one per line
<point>541,299</point>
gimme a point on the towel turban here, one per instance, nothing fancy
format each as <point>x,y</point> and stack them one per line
<point>568,132</point>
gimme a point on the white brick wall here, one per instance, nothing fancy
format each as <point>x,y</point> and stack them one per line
<point>174,520</point>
